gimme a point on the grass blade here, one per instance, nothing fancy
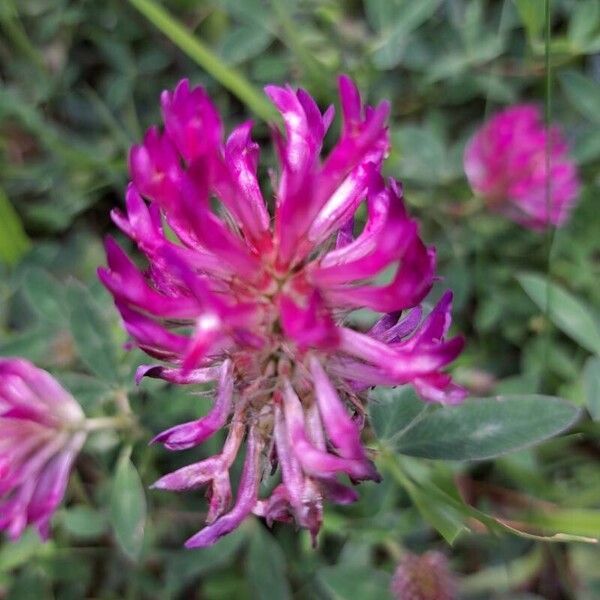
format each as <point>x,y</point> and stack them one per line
<point>230,78</point>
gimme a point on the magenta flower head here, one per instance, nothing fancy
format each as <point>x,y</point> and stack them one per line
<point>424,577</point>
<point>259,304</point>
<point>40,437</point>
<point>522,168</point>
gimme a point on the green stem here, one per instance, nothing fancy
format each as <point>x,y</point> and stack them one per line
<point>547,66</point>
<point>394,549</point>
<point>548,119</point>
<point>230,78</point>
<point>122,402</point>
<point>391,463</point>
<point>103,423</point>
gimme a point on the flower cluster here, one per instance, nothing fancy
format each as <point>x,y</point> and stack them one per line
<point>424,577</point>
<point>41,434</point>
<point>522,169</point>
<point>261,305</point>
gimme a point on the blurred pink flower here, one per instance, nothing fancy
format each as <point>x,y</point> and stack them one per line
<point>522,169</point>
<point>40,437</point>
<point>424,577</point>
<point>261,308</point>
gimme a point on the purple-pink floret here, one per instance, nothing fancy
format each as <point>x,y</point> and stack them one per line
<point>261,305</point>
<point>40,437</point>
<point>522,168</point>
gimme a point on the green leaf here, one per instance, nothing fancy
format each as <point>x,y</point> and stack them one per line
<point>423,154</point>
<point>586,146</point>
<point>396,20</point>
<point>12,556</point>
<point>483,428</point>
<point>89,391</point>
<point>449,495</point>
<point>566,311</point>
<point>591,384</point>
<point>233,80</point>
<point>14,242</point>
<point>569,521</point>
<point>532,16</point>
<point>393,410</point>
<point>83,522</point>
<point>46,296</point>
<point>29,584</point>
<point>291,35</point>
<point>526,383</point>
<point>344,582</point>
<point>244,43</point>
<point>585,18</point>
<point>265,567</point>
<point>32,344</point>
<point>184,567</point>
<point>128,507</point>
<point>91,332</point>
<point>505,576</point>
<point>380,13</point>
<point>443,517</point>
<point>583,93</point>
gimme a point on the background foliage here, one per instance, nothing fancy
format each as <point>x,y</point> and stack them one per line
<point>80,83</point>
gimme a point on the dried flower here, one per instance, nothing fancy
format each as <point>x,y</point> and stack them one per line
<point>260,308</point>
<point>41,434</point>
<point>522,168</point>
<point>425,577</point>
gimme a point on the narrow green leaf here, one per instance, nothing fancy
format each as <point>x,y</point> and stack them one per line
<point>265,567</point>
<point>443,517</point>
<point>91,332</point>
<point>583,93</point>
<point>344,582</point>
<point>566,311</point>
<point>128,507</point>
<point>483,428</point>
<point>591,384</point>
<point>524,532</point>
<point>14,242</point>
<point>569,521</point>
<point>494,524</point>
<point>230,78</point>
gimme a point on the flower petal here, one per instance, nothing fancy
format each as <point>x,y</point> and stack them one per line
<point>188,435</point>
<point>246,497</point>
